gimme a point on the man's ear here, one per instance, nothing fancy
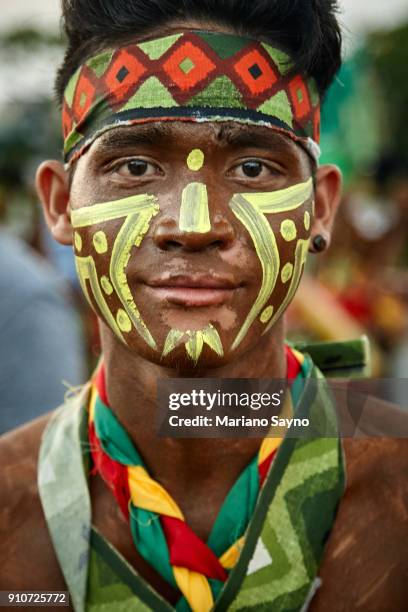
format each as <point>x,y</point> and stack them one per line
<point>328,188</point>
<point>53,191</point>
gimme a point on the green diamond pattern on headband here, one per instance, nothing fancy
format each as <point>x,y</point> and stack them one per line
<point>146,96</point>
<point>280,106</point>
<point>221,92</point>
<point>154,49</point>
<point>186,65</point>
<point>194,76</point>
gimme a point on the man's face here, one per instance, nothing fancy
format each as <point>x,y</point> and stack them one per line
<point>188,243</point>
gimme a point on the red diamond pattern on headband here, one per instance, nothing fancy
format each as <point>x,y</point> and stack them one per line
<point>196,76</point>
<point>300,97</point>
<point>84,95</point>
<point>255,72</point>
<point>123,74</point>
<point>188,66</point>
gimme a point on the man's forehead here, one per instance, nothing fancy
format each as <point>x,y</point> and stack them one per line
<point>173,133</point>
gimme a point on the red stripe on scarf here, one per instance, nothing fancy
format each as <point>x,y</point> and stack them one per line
<point>292,365</point>
<point>263,468</point>
<point>188,550</point>
<point>112,472</point>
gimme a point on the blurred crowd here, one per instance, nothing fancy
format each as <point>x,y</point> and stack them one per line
<point>360,286</point>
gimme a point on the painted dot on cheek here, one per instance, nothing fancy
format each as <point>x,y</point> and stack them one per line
<point>287,272</point>
<point>106,285</point>
<point>288,230</point>
<point>78,242</point>
<point>123,321</point>
<point>306,221</point>
<point>266,314</point>
<point>195,160</point>
<point>100,242</point>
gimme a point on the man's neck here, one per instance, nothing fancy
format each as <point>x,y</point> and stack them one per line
<point>185,467</point>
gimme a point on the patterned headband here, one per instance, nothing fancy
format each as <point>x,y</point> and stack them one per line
<point>194,76</point>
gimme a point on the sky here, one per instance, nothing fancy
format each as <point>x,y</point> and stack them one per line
<point>358,15</point>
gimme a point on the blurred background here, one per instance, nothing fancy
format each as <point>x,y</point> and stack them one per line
<point>359,286</point>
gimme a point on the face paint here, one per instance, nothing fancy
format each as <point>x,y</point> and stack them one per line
<point>137,212</point>
<point>195,160</point>
<point>195,341</point>
<point>300,259</point>
<point>288,230</point>
<point>287,272</point>
<point>266,314</point>
<point>250,209</point>
<point>100,242</point>
<point>194,214</point>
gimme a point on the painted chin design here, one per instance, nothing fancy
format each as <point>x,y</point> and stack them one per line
<point>101,266</point>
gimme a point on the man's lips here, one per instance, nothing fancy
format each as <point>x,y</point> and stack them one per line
<point>199,290</point>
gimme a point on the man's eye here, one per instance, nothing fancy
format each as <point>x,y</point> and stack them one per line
<point>137,167</point>
<point>252,168</point>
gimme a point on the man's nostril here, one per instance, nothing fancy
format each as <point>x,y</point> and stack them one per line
<point>171,245</point>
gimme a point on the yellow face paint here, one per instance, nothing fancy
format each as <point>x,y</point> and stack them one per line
<point>266,314</point>
<point>250,209</point>
<point>173,339</point>
<point>137,212</point>
<point>78,242</point>
<point>194,214</point>
<point>300,259</point>
<point>123,321</point>
<point>287,272</point>
<point>288,230</point>
<point>306,221</point>
<point>106,285</point>
<point>195,160</point>
<point>129,236</point>
<point>194,341</point>
<point>100,242</point>
<point>194,345</point>
<point>86,271</point>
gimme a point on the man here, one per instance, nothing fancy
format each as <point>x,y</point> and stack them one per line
<point>191,194</point>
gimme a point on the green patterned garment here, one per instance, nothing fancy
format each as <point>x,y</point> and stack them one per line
<point>278,566</point>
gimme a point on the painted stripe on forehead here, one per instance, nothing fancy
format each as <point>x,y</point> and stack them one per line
<point>108,211</point>
<point>282,200</point>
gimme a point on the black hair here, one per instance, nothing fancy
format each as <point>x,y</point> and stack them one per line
<point>306,29</point>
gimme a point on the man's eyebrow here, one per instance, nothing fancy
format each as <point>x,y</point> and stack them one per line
<point>253,138</point>
<point>130,137</point>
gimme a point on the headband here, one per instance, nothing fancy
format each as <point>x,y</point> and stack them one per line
<point>193,76</point>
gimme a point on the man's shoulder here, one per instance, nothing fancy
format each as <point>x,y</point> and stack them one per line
<point>27,557</point>
<point>19,451</point>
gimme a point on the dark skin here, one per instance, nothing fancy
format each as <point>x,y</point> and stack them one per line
<point>105,173</point>
<point>364,567</point>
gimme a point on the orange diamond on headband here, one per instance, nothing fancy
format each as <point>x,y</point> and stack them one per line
<point>123,74</point>
<point>84,96</point>
<point>187,66</point>
<point>300,97</point>
<point>66,120</point>
<point>255,72</point>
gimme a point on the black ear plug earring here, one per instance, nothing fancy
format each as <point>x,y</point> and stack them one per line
<point>319,243</point>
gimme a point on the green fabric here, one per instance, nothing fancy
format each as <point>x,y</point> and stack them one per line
<point>146,529</point>
<point>288,522</point>
<point>189,76</point>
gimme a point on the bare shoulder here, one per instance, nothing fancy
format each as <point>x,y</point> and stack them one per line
<point>366,561</point>
<point>27,558</point>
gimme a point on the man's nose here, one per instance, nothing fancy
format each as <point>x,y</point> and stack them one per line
<point>195,228</point>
